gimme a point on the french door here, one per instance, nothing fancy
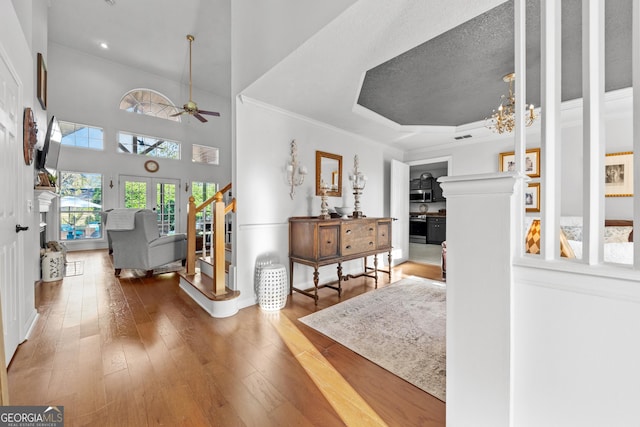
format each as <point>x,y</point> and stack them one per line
<point>161,195</point>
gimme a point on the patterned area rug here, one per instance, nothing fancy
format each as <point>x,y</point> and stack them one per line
<point>400,327</point>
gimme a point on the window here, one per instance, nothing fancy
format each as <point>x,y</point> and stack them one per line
<point>148,146</point>
<point>80,206</point>
<point>82,136</point>
<point>150,103</point>
<point>204,154</point>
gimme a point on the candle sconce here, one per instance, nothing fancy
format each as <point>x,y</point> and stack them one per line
<point>324,206</point>
<point>295,172</point>
<point>358,182</point>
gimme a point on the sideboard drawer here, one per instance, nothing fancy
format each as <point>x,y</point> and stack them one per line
<point>358,237</point>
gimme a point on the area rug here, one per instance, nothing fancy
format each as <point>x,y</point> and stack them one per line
<point>400,327</point>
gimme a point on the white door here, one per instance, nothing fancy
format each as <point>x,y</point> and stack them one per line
<point>158,194</point>
<point>11,169</point>
<point>400,210</point>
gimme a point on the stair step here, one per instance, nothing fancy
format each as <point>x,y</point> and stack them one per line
<point>206,267</point>
<point>209,261</point>
<point>204,284</point>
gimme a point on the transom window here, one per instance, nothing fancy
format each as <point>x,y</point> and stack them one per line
<point>204,154</point>
<point>82,136</point>
<point>148,146</point>
<point>150,103</point>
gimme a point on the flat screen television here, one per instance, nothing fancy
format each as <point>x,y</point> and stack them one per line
<point>48,157</point>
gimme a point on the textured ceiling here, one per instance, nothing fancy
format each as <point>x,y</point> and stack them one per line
<point>456,77</point>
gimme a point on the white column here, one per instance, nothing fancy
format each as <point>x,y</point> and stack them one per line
<point>635,43</point>
<point>479,282</point>
<point>551,63</point>
<point>593,129</point>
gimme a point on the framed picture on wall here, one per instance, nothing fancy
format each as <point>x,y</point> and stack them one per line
<point>42,82</point>
<point>532,197</point>
<point>531,162</point>
<point>618,174</point>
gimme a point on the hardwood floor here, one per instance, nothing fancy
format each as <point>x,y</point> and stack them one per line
<point>137,351</point>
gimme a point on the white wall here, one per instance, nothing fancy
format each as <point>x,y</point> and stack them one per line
<point>264,136</point>
<point>86,89</point>
<point>576,349</point>
<point>263,33</point>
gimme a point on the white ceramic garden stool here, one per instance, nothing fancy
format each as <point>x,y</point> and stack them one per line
<point>272,291</point>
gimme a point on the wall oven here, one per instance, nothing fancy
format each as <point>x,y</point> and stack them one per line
<point>420,196</point>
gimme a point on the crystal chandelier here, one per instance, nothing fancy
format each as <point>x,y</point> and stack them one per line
<point>503,119</point>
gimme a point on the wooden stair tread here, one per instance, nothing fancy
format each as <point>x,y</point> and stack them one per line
<point>204,284</point>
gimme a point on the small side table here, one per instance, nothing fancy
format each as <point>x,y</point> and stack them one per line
<point>272,288</point>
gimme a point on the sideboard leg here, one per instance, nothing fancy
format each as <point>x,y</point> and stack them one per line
<point>389,257</point>
<point>316,279</point>
<point>375,269</point>
<point>339,279</point>
<point>290,276</point>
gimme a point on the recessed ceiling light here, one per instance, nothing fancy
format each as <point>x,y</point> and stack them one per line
<point>110,2</point>
<point>104,45</point>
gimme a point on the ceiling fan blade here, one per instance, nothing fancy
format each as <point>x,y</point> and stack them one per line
<point>199,117</point>
<point>211,113</point>
<point>177,114</point>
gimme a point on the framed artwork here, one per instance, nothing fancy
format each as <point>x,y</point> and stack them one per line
<point>532,197</point>
<point>531,162</point>
<point>42,82</point>
<point>618,174</point>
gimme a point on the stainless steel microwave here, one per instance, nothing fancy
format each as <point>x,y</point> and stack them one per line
<point>420,196</point>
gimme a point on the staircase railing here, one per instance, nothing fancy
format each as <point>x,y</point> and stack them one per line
<point>219,211</point>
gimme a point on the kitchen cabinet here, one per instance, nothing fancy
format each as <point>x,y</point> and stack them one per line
<point>436,192</point>
<point>436,230</point>
<point>428,184</point>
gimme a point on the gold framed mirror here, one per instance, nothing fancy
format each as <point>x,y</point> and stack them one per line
<point>329,171</point>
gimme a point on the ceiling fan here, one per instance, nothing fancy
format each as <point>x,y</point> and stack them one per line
<point>191,107</point>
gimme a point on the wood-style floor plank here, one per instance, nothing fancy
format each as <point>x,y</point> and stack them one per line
<point>136,351</point>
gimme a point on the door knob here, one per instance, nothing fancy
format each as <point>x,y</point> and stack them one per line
<point>20,228</point>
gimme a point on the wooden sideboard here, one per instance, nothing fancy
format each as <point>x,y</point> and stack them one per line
<point>316,242</point>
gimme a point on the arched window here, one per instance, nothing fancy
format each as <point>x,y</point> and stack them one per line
<point>149,102</point>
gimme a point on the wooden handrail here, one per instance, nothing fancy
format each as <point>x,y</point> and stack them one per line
<point>219,212</point>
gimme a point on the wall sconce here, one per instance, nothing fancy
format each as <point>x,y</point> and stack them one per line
<point>358,182</point>
<point>295,173</point>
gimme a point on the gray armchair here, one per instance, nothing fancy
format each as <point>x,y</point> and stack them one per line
<point>137,243</point>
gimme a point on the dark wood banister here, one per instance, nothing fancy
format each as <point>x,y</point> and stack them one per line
<point>219,212</point>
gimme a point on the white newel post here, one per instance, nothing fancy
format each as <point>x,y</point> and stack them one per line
<point>481,215</point>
